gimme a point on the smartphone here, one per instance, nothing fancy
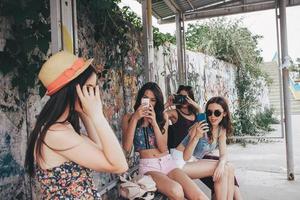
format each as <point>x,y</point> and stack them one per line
<point>179,99</point>
<point>145,102</point>
<point>201,117</point>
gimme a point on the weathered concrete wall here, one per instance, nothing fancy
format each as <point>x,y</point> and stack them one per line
<point>119,83</point>
<point>208,76</point>
<point>13,138</point>
<point>13,132</point>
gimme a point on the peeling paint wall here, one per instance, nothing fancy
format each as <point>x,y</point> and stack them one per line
<point>13,138</point>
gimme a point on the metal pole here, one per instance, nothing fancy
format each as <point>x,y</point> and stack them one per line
<point>67,25</point>
<point>279,70</point>
<point>75,27</point>
<point>184,52</point>
<point>179,44</point>
<point>63,26</point>
<point>148,40</point>
<point>56,36</point>
<point>286,93</point>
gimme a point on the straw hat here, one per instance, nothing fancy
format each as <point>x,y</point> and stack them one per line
<point>60,69</point>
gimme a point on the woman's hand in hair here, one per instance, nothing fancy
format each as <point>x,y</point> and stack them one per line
<point>90,100</point>
<point>194,104</point>
<point>140,112</point>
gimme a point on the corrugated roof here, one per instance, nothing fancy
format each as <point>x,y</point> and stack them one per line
<point>165,10</point>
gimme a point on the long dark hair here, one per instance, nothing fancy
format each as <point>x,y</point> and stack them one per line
<point>159,106</point>
<point>190,92</point>
<point>53,109</point>
<point>226,121</point>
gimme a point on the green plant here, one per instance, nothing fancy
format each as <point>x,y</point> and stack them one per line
<point>27,46</point>
<point>230,41</point>
<point>265,118</point>
<point>160,38</point>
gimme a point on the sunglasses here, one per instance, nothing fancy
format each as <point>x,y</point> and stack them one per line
<point>216,113</point>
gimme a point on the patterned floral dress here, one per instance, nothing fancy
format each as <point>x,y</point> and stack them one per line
<point>67,181</point>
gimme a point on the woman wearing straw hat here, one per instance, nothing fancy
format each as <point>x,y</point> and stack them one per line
<point>58,155</point>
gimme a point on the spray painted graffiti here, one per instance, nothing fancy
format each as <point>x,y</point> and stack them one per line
<point>208,76</point>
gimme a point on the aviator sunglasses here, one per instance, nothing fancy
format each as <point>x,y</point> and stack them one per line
<point>216,113</point>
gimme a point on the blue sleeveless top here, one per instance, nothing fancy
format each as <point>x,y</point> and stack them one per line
<point>144,138</point>
<point>203,146</point>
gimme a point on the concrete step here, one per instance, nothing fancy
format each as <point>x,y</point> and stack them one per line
<point>292,101</point>
<point>274,85</point>
<point>277,97</point>
<point>277,107</point>
<point>277,110</point>
<point>271,68</point>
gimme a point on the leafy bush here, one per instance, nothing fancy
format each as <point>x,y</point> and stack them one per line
<point>230,41</point>
<point>265,119</point>
<point>28,42</point>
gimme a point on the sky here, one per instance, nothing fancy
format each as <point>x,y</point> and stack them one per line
<point>259,23</point>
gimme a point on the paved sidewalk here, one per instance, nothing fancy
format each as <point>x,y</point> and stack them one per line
<point>261,168</point>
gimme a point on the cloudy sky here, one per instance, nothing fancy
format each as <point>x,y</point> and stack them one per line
<point>260,23</point>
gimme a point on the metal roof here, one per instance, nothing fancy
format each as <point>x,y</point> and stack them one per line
<point>165,10</point>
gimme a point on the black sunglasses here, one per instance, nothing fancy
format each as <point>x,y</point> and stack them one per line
<point>216,113</point>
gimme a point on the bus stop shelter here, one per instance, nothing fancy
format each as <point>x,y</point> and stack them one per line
<point>179,11</point>
<point>64,36</point>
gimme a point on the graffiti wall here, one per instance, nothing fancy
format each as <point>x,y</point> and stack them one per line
<point>13,138</point>
<point>207,75</point>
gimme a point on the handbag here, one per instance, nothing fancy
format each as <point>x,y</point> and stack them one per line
<point>141,187</point>
<point>145,182</point>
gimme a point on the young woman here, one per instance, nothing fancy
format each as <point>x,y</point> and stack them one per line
<point>199,143</point>
<point>183,118</point>
<point>146,130</point>
<point>58,155</point>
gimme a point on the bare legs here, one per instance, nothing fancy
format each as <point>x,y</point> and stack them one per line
<point>177,185</point>
<point>230,180</point>
<point>224,188</point>
<point>237,193</point>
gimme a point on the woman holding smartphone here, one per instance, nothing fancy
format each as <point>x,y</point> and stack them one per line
<point>146,130</point>
<point>183,118</point>
<point>57,154</point>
